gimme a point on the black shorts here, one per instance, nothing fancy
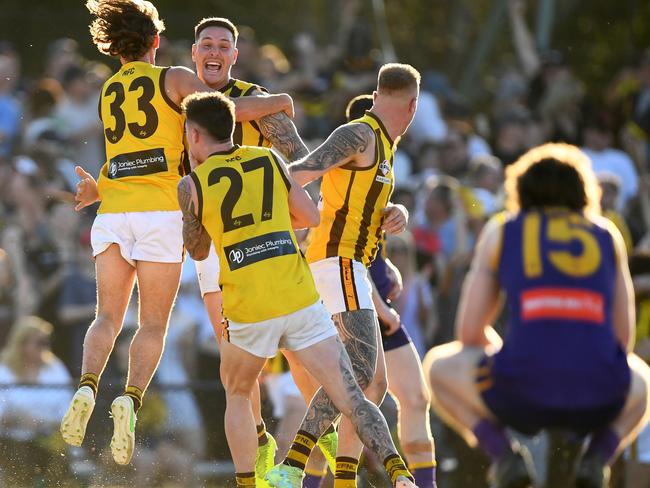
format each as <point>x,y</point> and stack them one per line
<point>394,341</point>
<point>529,419</point>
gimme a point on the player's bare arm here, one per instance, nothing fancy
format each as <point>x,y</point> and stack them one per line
<point>479,302</point>
<point>624,316</point>
<point>181,82</point>
<point>349,144</point>
<point>279,129</point>
<point>195,237</point>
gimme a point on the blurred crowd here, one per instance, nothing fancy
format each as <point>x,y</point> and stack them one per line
<point>449,173</point>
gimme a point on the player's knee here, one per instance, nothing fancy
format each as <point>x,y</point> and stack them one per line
<point>235,385</point>
<point>156,328</point>
<point>376,391</point>
<point>415,400</point>
<point>107,322</point>
<point>438,365</point>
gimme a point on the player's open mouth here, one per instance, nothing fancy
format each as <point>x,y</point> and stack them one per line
<point>213,66</point>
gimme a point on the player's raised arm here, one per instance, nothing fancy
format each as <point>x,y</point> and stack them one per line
<point>181,82</point>
<point>350,143</point>
<point>280,130</point>
<point>195,237</point>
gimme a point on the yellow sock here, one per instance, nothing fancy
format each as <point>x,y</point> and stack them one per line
<point>300,450</point>
<point>395,467</point>
<point>245,479</point>
<point>91,380</point>
<point>262,438</point>
<point>136,395</point>
<point>346,472</point>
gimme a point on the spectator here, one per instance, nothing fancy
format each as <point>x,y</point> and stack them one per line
<point>10,108</point>
<point>30,415</point>
<point>415,304</point>
<point>598,140</point>
<point>80,124</point>
<point>610,185</point>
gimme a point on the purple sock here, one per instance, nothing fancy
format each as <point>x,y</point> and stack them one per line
<point>312,481</point>
<point>604,443</point>
<point>492,439</point>
<point>425,477</point>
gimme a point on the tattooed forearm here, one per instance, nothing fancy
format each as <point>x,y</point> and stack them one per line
<point>195,237</point>
<point>279,129</point>
<point>344,143</point>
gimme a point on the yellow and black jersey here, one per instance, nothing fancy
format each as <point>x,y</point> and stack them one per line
<point>246,133</point>
<point>243,204</point>
<point>351,202</point>
<point>143,131</point>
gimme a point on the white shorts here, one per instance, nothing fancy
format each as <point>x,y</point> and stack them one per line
<point>207,272</point>
<point>343,284</point>
<point>142,236</point>
<point>279,387</point>
<point>295,331</point>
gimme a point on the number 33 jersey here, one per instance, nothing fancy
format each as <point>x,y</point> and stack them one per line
<point>558,269</point>
<point>243,204</point>
<point>143,132</point>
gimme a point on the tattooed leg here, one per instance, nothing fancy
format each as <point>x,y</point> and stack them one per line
<point>330,364</point>
<point>358,330</point>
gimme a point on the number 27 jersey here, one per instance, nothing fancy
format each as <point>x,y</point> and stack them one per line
<point>143,132</point>
<point>243,204</point>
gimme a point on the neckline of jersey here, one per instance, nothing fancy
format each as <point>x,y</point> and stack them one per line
<point>227,86</point>
<point>225,151</point>
<point>381,126</point>
<point>133,62</point>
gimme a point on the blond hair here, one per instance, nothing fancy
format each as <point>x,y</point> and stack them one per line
<point>22,331</point>
<point>552,175</point>
<point>394,77</point>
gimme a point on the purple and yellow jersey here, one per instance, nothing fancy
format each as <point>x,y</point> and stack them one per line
<point>558,269</point>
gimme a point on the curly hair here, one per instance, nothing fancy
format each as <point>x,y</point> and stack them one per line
<point>125,28</point>
<point>552,175</point>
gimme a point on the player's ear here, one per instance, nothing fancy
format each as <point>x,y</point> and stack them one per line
<point>234,56</point>
<point>194,52</point>
<point>156,41</point>
<point>375,94</point>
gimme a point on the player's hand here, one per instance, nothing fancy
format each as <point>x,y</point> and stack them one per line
<point>87,192</point>
<point>395,219</point>
<point>392,321</point>
<point>395,278</point>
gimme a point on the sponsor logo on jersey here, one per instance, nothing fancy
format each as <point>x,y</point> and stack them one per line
<point>259,248</point>
<point>384,168</point>
<point>562,304</point>
<point>137,163</point>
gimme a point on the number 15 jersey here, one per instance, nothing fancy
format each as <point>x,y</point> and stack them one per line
<point>143,132</point>
<point>243,204</point>
<point>558,269</point>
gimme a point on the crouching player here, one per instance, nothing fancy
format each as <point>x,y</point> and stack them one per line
<point>565,361</point>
